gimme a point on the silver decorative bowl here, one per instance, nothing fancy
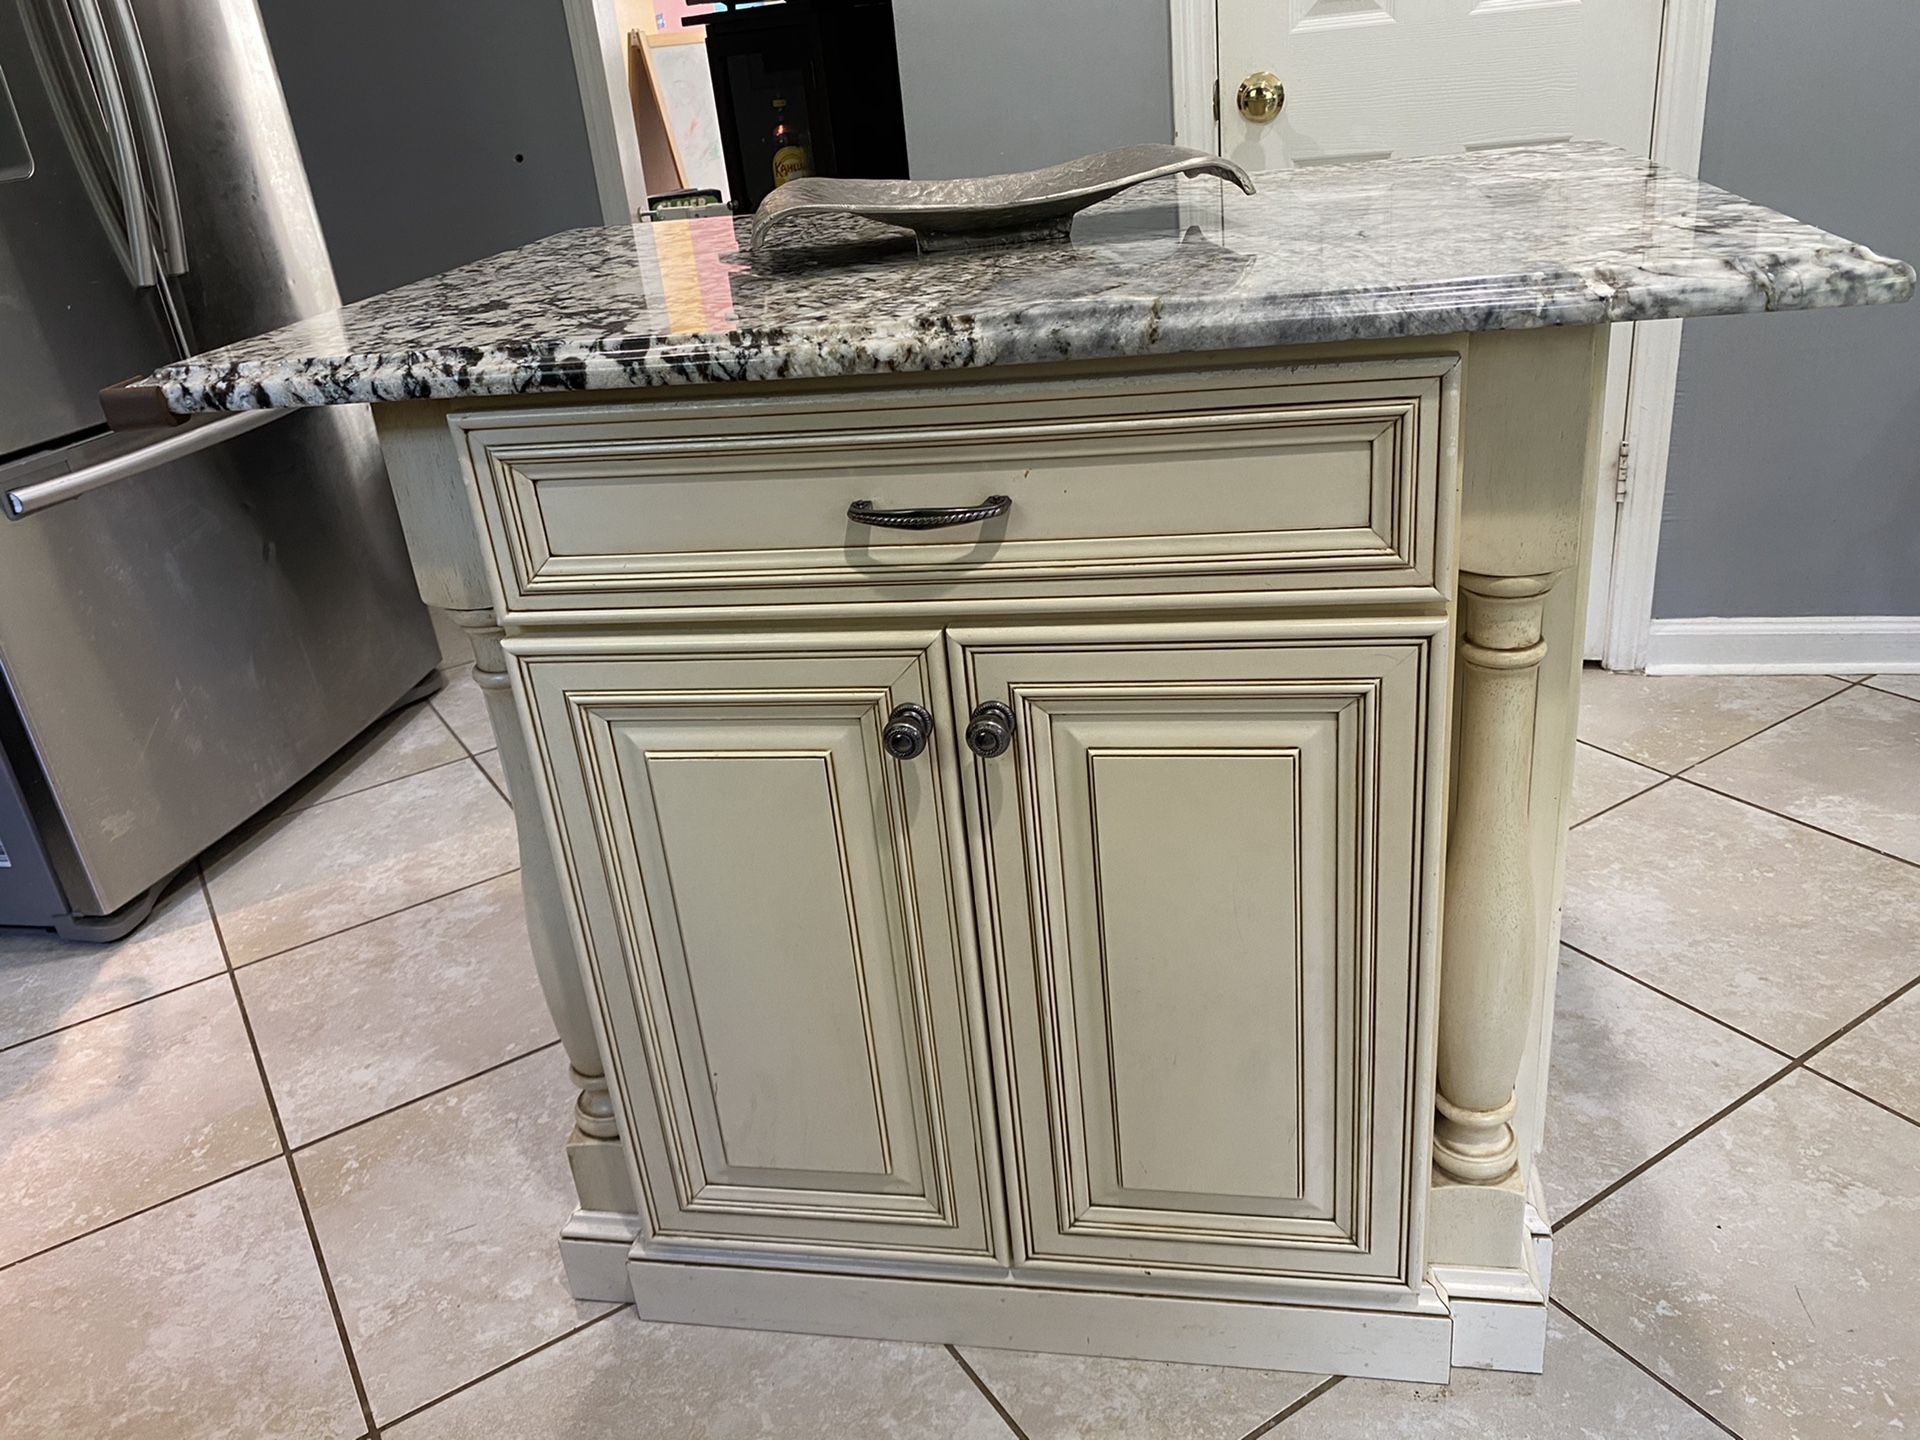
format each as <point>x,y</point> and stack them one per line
<point>993,209</point>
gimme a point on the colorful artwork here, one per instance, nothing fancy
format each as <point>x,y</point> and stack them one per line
<point>686,94</point>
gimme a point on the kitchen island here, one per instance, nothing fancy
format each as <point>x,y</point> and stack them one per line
<point>1042,772</point>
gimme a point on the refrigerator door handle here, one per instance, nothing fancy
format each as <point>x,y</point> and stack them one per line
<point>137,237</point>
<point>196,435</point>
<point>144,100</point>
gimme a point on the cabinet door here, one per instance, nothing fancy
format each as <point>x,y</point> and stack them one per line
<point>1206,875</point>
<point>771,910</point>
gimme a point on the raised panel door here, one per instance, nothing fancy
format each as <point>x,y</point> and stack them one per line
<point>1366,79</point>
<point>1206,874</point>
<point>775,908</point>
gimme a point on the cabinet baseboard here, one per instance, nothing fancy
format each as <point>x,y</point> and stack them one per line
<point>1786,645</point>
<point>1415,1345</point>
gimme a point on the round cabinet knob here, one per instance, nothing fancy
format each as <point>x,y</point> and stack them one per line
<point>1261,97</point>
<point>907,731</point>
<point>990,729</point>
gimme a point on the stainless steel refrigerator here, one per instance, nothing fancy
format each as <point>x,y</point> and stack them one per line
<point>191,620</point>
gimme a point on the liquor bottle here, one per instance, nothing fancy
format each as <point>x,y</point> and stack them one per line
<point>792,158</point>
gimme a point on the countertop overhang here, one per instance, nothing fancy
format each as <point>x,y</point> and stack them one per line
<point>1568,234</point>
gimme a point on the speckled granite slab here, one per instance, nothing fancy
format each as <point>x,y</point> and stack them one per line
<point>1574,234</point>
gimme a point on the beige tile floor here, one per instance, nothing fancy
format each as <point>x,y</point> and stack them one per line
<point>287,1163</point>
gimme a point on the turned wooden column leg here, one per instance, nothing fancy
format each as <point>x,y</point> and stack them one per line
<point>599,1167</point>
<point>1490,937</point>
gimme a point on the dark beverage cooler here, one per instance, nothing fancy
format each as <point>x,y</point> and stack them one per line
<point>809,87</point>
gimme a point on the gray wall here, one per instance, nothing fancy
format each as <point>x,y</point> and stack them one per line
<point>993,85</point>
<point>1794,487</point>
<point>434,131</point>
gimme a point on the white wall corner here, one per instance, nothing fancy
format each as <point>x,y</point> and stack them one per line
<point>1791,645</point>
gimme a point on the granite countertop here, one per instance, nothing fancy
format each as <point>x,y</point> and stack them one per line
<point>1570,234</point>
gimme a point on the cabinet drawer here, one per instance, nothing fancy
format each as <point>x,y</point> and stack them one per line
<point>1328,477</point>
<point>775,909</point>
<point>1205,876</point>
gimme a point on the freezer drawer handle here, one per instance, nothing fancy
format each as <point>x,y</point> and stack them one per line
<point>194,436</point>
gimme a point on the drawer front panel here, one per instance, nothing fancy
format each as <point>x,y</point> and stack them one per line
<point>1311,477</point>
<point>773,920</point>
<point>1203,873</point>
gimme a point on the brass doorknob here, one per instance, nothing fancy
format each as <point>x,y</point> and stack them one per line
<point>1262,96</point>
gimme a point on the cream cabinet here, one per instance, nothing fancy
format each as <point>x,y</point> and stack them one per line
<point>778,910</point>
<point>991,843</point>
<point>1287,479</point>
<point>1195,857</point>
<point>1201,874</point>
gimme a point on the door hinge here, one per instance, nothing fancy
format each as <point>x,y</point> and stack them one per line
<point>1622,470</point>
<point>1216,99</point>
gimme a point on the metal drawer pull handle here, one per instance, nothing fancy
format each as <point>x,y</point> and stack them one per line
<point>862,512</point>
<point>990,729</point>
<point>907,731</point>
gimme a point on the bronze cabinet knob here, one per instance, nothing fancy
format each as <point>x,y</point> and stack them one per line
<point>990,729</point>
<point>907,731</point>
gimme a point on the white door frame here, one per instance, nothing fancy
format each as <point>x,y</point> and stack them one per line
<point>1679,117</point>
<point>600,65</point>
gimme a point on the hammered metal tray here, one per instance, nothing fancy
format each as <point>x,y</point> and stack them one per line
<point>993,209</point>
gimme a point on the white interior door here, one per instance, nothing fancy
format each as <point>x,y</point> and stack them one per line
<point>1368,79</point>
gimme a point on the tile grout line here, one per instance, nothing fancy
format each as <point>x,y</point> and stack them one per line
<point>1646,1370</point>
<point>281,808</point>
<point>292,1149</point>
<point>1797,1062</point>
<point>547,1344</point>
<point>1867,684</point>
<point>1646,984</point>
<point>487,775</point>
<point>299,1191</point>
<point>1865,1015</point>
<point>1615,754</point>
<point>460,740</point>
<point>1288,1411</point>
<point>1845,686</point>
<point>1862,1095</point>
<point>437,1090</point>
<point>446,724</point>
<point>1663,780</point>
<point>1796,820</point>
<point>147,1209</point>
<point>992,1399</point>
<point>1615,1186</point>
<point>293,810</point>
<point>1686,773</point>
<point>360,924</point>
<point>229,968</point>
<point>116,1010</point>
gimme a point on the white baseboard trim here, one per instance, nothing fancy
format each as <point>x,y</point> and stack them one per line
<point>594,1248</point>
<point>1790,645</point>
